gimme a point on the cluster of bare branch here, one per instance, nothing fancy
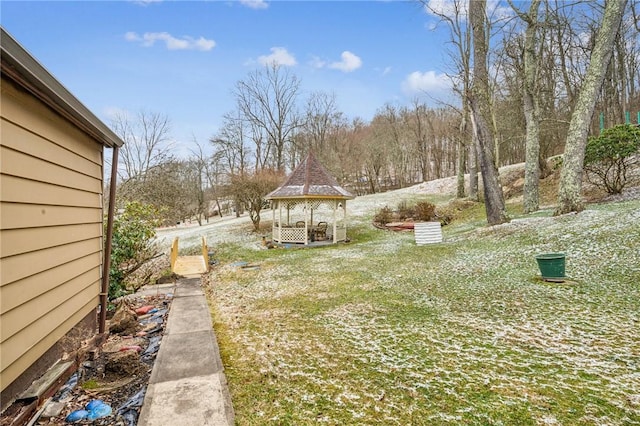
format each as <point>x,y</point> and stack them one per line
<point>528,80</point>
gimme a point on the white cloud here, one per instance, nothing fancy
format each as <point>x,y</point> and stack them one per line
<point>171,42</point>
<point>383,71</point>
<point>113,112</point>
<point>451,8</point>
<point>131,36</point>
<point>499,11</point>
<point>447,8</point>
<point>429,81</point>
<point>255,4</point>
<point>316,62</point>
<point>145,2</point>
<point>349,62</point>
<point>278,56</point>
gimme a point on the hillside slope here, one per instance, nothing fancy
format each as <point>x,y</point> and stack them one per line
<point>230,229</point>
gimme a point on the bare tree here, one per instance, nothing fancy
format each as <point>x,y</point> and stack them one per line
<point>267,100</point>
<point>230,144</point>
<point>164,187</point>
<point>569,193</point>
<point>147,143</point>
<point>619,93</point>
<point>321,112</point>
<point>389,130</point>
<point>454,14</point>
<point>381,139</point>
<point>635,13</point>
<point>232,154</point>
<point>198,175</point>
<point>215,173</point>
<point>419,125</point>
<point>350,148</point>
<point>481,113</point>
<point>251,190</point>
<point>472,149</point>
<point>531,197</point>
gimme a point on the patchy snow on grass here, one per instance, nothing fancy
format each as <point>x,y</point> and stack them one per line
<point>465,332</point>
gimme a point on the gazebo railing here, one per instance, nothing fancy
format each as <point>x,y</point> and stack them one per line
<point>287,234</point>
<point>291,234</point>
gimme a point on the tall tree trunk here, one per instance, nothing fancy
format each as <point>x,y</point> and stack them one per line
<point>473,161</point>
<point>531,196</point>
<point>569,193</point>
<point>496,135</point>
<point>461,149</point>
<point>460,167</point>
<point>480,107</point>
<point>545,170</point>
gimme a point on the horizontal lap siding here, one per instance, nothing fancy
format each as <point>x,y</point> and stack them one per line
<point>30,143</point>
<point>16,241</point>
<point>15,268</point>
<point>38,170</point>
<point>21,291</point>
<point>58,325</point>
<point>19,190</point>
<point>24,216</point>
<point>42,309</point>
<point>50,229</point>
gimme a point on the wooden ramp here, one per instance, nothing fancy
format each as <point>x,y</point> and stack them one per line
<point>189,265</point>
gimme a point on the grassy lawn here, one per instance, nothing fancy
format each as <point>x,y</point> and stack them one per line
<point>380,331</point>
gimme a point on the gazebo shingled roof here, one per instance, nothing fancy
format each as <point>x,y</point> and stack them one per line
<point>310,180</point>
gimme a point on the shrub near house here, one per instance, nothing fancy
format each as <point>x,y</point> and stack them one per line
<point>132,245</point>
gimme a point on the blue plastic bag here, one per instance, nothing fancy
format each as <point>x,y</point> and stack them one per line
<point>76,416</point>
<point>93,404</point>
<point>99,411</point>
<point>95,409</point>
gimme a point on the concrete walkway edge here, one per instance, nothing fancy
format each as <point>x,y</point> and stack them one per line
<point>187,384</point>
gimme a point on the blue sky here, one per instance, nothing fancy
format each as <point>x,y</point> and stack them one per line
<point>183,58</point>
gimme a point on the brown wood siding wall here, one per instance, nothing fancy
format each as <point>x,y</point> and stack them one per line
<point>50,229</point>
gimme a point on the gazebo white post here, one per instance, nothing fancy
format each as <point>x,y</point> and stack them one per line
<point>306,219</point>
<point>335,223</point>
<point>344,217</point>
<point>273,220</point>
<point>280,221</point>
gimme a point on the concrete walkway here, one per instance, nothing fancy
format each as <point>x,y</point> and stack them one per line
<point>187,384</point>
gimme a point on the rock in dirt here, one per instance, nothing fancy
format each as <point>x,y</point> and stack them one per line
<point>124,321</point>
<point>125,363</point>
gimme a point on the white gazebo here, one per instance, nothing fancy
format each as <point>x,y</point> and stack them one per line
<point>309,206</point>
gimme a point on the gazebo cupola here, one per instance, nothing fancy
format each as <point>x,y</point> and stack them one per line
<point>309,206</point>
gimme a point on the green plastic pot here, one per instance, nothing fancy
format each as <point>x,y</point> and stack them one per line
<point>551,266</point>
